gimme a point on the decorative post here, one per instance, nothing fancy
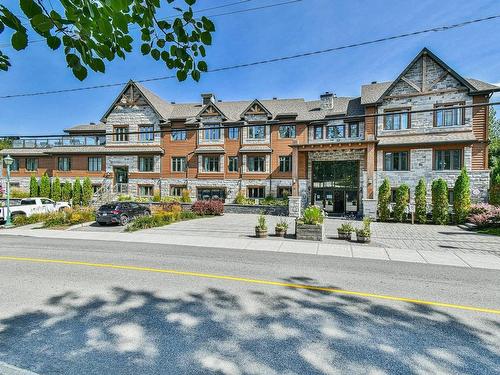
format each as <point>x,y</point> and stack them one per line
<point>8,162</point>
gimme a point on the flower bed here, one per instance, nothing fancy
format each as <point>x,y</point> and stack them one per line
<point>484,215</point>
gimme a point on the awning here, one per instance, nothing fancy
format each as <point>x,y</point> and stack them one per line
<point>210,150</point>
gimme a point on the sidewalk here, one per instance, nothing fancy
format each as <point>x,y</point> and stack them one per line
<point>471,259</point>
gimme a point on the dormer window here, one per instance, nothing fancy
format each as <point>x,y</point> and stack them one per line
<point>318,132</point>
<point>397,119</point>
<point>257,132</point>
<point>449,115</point>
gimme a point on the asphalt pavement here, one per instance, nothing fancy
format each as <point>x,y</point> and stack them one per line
<point>95,307</point>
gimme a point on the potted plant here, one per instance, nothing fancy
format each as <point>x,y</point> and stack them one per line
<point>345,231</point>
<point>261,228</point>
<point>310,225</point>
<point>363,235</point>
<point>281,228</point>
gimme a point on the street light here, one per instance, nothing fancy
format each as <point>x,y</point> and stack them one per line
<point>8,160</point>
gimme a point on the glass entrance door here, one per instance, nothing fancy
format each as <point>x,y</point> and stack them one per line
<point>121,179</point>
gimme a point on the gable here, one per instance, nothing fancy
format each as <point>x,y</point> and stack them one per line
<point>256,109</point>
<point>211,111</point>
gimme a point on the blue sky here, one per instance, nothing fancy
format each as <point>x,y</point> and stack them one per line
<point>473,51</point>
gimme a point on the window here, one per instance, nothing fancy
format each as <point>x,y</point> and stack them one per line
<point>446,160</point>
<point>284,192</point>
<point>335,131</point>
<point>285,163</point>
<point>121,133</point>
<point>233,133</point>
<point>146,164</point>
<point>396,161</point>
<point>15,165</point>
<point>211,193</point>
<point>354,130</point>
<point>256,163</point>
<point>318,132</point>
<point>397,121</point>
<point>257,132</point>
<point>176,191</point>
<point>233,164</point>
<point>31,164</point>
<point>287,131</point>
<point>146,133</point>
<point>179,135</point>
<point>64,164</point>
<point>146,190</point>
<point>448,116</point>
<point>256,192</point>
<point>211,132</point>
<point>95,164</point>
<point>178,164</point>
<point>211,164</point>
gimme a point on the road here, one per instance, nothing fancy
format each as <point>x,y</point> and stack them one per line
<point>92,307</point>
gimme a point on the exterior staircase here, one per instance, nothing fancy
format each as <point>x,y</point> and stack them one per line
<point>109,193</point>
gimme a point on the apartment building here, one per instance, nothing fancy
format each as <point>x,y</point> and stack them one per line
<point>334,152</point>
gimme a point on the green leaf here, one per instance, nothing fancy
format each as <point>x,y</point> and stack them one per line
<point>207,24</point>
<point>53,42</point>
<point>160,43</point>
<point>2,27</point>
<point>196,75</point>
<point>202,65</point>
<point>19,40</point>
<point>30,8</point>
<point>97,65</point>
<point>80,72</point>
<point>72,60</point>
<point>145,48</point>
<point>155,54</point>
<point>42,23</point>
<point>181,75</point>
<point>206,38</point>
<point>190,2</point>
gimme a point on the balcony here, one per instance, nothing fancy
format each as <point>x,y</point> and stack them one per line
<point>61,141</point>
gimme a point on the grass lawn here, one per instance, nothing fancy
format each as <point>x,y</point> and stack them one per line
<point>493,231</point>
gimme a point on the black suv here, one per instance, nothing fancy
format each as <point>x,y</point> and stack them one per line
<point>120,212</point>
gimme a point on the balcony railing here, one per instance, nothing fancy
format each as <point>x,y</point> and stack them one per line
<point>61,141</point>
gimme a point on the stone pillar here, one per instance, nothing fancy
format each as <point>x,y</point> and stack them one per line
<point>294,206</point>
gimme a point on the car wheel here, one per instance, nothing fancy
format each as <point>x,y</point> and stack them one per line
<point>124,220</point>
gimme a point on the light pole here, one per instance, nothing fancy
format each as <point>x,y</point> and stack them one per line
<point>8,162</point>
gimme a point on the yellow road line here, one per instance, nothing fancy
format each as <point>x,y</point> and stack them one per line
<point>253,281</point>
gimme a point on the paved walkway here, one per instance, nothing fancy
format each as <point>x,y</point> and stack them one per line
<point>443,245</point>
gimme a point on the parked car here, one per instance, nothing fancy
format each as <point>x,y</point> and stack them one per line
<point>30,206</point>
<point>120,212</point>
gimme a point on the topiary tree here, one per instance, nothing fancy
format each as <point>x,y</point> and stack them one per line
<point>402,201</point>
<point>66,191</point>
<point>56,190</point>
<point>384,198</point>
<point>33,186</point>
<point>45,186</point>
<point>87,192</point>
<point>461,195</point>
<point>421,202</point>
<point>440,202</point>
<point>77,192</point>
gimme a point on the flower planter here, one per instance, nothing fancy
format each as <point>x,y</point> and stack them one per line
<point>280,232</point>
<point>309,232</point>
<point>260,233</point>
<point>362,239</point>
<point>344,236</point>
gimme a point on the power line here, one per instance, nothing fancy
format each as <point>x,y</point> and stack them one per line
<point>240,124</point>
<point>268,61</point>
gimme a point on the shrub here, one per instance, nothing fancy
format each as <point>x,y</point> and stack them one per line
<point>440,202</point>
<point>461,194</point>
<point>56,190</point>
<point>271,201</point>
<point>158,219</point>
<point>312,215</point>
<point>66,191</point>
<point>45,186</point>
<point>211,207</point>
<point>20,220</point>
<point>70,216</point>
<point>484,215</point>
<point>346,228</point>
<point>384,198</point>
<point>19,193</point>
<point>282,224</point>
<point>87,192</point>
<point>124,198</point>
<point>33,186</point>
<point>168,199</point>
<point>494,194</point>
<point>166,207</point>
<point>365,231</point>
<point>261,223</point>
<point>157,196</point>
<point>240,198</point>
<point>421,202</point>
<point>402,201</point>
<point>77,192</point>
<point>185,197</point>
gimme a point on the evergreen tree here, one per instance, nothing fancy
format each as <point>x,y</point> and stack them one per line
<point>384,197</point>
<point>33,186</point>
<point>461,196</point>
<point>77,192</point>
<point>45,186</point>
<point>421,202</point>
<point>56,190</point>
<point>440,202</point>
<point>66,191</point>
<point>87,192</point>
<point>402,201</point>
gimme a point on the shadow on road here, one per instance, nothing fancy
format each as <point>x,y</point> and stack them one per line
<point>276,331</point>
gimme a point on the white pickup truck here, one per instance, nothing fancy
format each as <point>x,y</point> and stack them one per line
<point>30,206</point>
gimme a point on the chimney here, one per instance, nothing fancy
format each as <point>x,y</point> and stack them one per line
<point>374,82</point>
<point>327,100</point>
<point>208,98</point>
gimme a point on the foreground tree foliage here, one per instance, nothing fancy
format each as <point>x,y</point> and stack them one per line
<point>66,191</point>
<point>77,192</point>
<point>92,31</point>
<point>384,198</point>
<point>461,197</point>
<point>421,202</point>
<point>87,192</point>
<point>440,202</point>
